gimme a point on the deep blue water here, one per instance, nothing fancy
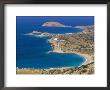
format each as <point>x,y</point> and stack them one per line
<point>32,51</point>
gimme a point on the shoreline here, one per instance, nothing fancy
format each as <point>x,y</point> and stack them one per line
<point>88,58</point>
<point>86,67</point>
<point>84,63</point>
<point>85,56</point>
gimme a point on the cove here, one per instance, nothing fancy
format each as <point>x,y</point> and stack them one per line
<point>34,54</point>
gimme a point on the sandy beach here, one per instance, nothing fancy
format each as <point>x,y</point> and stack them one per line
<point>88,58</point>
<point>85,68</point>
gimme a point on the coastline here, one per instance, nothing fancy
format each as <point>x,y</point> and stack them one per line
<point>87,67</point>
<point>88,58</point>
<point>84,69</point>
<point>77,70</point>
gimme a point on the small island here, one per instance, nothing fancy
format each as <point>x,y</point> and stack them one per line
<point>54,24</point>
<point>81,43</point>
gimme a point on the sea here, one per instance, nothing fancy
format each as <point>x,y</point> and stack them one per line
<point>33,51</point>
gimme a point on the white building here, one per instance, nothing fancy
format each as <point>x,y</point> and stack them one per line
<point>55,38</point>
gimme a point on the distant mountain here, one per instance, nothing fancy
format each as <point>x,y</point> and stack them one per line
<point>54,24</point>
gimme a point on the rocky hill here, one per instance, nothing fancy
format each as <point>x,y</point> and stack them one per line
<point>84,69</point>
<point>54,24</point>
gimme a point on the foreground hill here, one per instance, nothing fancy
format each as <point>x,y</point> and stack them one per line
<point>84,69</point>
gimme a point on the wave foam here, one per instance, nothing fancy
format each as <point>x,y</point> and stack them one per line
<point>40,35</point>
